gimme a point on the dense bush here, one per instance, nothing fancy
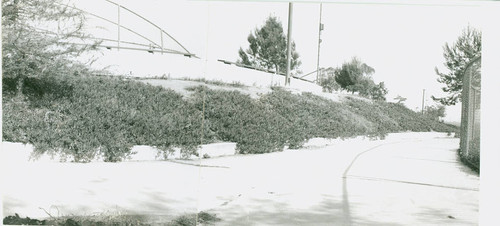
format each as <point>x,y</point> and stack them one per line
<point>202,218</point>
<point>409,120</point>
<point>17,220</point>
<point>309,116</point>
<point>236,117</point>
<point>86,117</point>
<point>355,77</point>
<point>100,116</point>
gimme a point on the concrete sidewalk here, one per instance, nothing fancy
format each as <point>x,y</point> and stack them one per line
<point>406,179</point>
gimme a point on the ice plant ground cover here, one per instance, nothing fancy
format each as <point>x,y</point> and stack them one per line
<point>85,117</point>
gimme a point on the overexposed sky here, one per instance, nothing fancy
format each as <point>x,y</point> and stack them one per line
<point>403,43</point>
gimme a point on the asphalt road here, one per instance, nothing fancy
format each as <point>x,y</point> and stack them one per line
<point>406,179</point>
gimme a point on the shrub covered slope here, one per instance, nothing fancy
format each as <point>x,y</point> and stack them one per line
<point>85,117</point>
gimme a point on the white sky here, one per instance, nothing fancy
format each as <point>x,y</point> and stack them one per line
<point>402,42</point>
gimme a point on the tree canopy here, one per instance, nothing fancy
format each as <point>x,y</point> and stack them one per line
<point>435,112</point>
<point>327,79</point>
<point>267,48</point>
<point>38,38</point>
<point>378,91</point>
<point>457,56</point>
<point>353,76</point>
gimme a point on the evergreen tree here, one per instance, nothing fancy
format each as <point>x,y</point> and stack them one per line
<point>457,56</point>
<point>267,48</point>
<point>351,76</point>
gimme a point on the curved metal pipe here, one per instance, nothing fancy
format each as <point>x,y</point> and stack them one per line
<point>115,23</point>
<point>155,45</point>
<point>159,28</point>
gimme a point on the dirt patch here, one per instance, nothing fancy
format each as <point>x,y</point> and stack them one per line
<point>180,86</point>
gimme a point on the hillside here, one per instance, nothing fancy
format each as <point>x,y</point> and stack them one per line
<point>83,118</point>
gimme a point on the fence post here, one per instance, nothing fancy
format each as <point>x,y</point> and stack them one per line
<point>464,130</point>
<point>468,108</point>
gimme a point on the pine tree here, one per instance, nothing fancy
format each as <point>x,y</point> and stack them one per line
<point>457,56</point>
<point>267,48</point>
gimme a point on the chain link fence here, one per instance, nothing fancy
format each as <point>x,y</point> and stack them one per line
<point>470,131</point>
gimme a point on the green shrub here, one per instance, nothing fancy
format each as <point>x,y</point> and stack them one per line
<point>236,117</point>
<point>100,116</point>
<point>85,117</point>
<point>202,218</point>
<point>17,220</point>
<point>309,116</point>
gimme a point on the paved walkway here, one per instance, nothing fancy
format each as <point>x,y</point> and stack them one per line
<point>406,179</point>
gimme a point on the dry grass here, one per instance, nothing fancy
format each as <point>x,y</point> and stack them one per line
<point>116,218</point>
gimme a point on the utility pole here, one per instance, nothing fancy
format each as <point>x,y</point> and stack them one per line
<point>423,101</point>
<point>289,44</point>
<point>319,40</point>
<point>119,26</point>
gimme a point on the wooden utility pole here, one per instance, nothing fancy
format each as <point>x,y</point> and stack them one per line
<point>289,44</point>
<point>319,40</point>
<point>423,101</point>
<point>119,26</point>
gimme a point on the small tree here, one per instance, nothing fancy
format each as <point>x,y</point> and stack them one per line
<point>327,80</point>
<point>366,87</point>
<point>352,75</point>
<point>435,112</point>
<point>38,39</point>
<point>457,56</point>
<point>378,92</point>
<point>268,48</point>
<point>362,86</point>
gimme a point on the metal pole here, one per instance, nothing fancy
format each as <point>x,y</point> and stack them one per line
<point>464,124</point>
<point>161,36</point>
<point>118,27</point>
<point>319,40</point>
<point>423,101</point>
<point>289,44</point>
